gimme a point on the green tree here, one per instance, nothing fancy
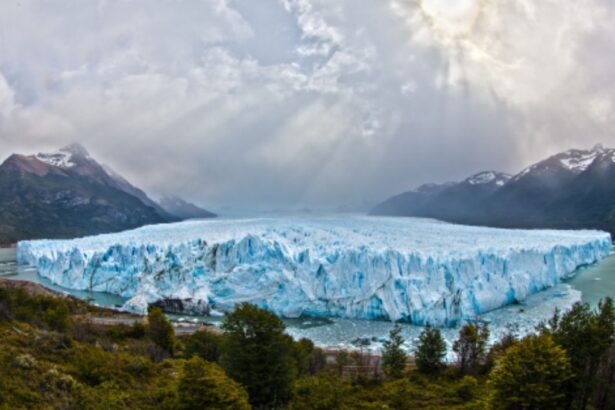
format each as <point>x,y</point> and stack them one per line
<point>309,359</point>
<point>532,375</point>
<point>586,335</point>
<point>394,358</point>
<point>317,361</point>
<point>471,347</point>
<point>604,397</point>
<point>499,349</point>
<point>430,351</point>
<point>259,355</point>
<point>342,359</point>
<point>204,385</point>
<point>302,350</point>
<point>205,344</point>
<point>160,330</point>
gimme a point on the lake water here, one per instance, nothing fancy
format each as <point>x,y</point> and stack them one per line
<point>594,282</point>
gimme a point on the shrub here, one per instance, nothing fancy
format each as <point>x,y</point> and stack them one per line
<point>466,388</point>
<point>205,344</point>
<point>44,311</point>
<point>532,375</point>
<point>204,385</point>
<point>324,392</point>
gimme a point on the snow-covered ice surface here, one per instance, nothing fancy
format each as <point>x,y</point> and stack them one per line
<point>408,269</point>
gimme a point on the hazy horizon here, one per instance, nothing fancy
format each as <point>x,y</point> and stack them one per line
<point>301,104</point>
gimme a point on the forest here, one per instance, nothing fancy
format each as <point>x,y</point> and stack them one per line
<point>52,355</point>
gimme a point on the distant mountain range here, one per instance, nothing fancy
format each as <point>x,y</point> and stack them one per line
<point>571,190</point>
<point>67,194</point>
<point>183,209</point>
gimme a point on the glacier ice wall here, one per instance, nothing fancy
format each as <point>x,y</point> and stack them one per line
<point>407,269</point>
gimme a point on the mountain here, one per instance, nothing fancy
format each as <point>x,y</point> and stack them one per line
<point>572,189</point>
<point>442,200</point>
<point>183,209</point>
<point>67,194</point>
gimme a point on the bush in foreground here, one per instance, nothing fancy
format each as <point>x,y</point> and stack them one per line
<point>204,385</point>
<point>532,375</point>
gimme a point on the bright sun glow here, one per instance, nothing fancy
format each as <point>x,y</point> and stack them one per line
<point>455,24</point>
<point>453,18</point>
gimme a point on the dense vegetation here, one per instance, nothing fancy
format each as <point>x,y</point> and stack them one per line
<point>52,356</point>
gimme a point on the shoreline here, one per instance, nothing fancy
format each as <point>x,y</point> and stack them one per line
<point>101,315</point>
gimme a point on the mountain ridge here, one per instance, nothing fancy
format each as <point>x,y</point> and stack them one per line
<point>184,209</point>
<point>568,190</point>
<point>67,193</point>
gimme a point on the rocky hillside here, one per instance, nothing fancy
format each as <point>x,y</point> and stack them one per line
<point>67,194</point>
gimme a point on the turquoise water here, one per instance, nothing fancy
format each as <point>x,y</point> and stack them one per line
<point>596,281</point>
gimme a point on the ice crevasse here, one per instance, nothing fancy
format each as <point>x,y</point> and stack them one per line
<point>407,269</point>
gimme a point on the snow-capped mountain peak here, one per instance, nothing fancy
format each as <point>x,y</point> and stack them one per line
<point>574,160</point>
<point>64,157</point>
<point>578,161</point>
<point>60,159</point>
<point>487,177</point>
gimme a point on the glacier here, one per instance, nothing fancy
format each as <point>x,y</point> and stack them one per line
<point>402,269</point>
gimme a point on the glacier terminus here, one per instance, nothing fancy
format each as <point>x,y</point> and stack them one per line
<point>402,269</point>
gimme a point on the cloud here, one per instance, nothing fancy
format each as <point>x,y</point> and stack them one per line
<point>300,103</point>
<point>7,99</point>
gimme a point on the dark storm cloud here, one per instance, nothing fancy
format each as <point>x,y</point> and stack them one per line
<point>303,103</point>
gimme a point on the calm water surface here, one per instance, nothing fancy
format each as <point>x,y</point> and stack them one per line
<point>596,281</point>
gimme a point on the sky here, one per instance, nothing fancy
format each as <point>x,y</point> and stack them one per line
<point>291,104</point>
